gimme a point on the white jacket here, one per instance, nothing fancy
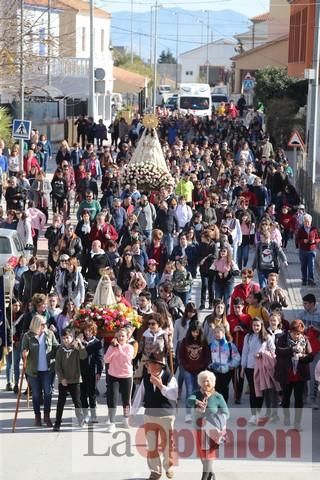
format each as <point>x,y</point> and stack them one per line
<point>183,215</point>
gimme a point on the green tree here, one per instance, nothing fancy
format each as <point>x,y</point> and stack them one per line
<point>5,124</point>
<point>271,82</point>
<point>166,57</point>
<point>274,82</point>
<point>282,97</point>
<point>123,60</point>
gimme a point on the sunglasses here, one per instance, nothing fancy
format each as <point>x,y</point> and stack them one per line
<point>152,323</point>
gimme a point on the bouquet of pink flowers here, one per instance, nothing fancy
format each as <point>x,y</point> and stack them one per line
<point>108,319</point>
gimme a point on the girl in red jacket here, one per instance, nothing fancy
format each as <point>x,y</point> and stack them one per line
<point>287,222</point>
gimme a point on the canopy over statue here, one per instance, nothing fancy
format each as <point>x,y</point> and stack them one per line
<point>147,165</point>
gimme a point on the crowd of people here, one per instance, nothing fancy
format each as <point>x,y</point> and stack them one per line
<point>231,194</point>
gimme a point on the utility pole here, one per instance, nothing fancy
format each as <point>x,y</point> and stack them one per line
<point>314,120</point>
<point>208,31</point>
<point>253,35</point>
<point>91,99</point>
<point>49,49</point>
<point>21,142</point>
<point>151,33</point>
<point>155,59</point>
<point>177,49</point>
<point>131,33</point>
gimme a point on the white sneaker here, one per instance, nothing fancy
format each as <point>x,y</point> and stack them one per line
<point>125,423</point>
<point>87,419</point>
<point>188,418</point>
<point>252,420</point>
<point>111,427</point>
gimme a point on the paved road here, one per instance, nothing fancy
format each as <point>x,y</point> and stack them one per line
<point>82,454</point>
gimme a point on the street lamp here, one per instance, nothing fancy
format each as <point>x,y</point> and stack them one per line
<point>22,79</point>
<point>131,33</point>
<point>177,48</point>
<point>91,99</point>
<point>202,25</point>
<point>155,59</point>
<point>208,31</point>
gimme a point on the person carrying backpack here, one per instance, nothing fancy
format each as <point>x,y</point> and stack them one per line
<point>267,258</point>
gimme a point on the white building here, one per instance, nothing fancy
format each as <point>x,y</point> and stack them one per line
<point>57,61</point>
<point>215,55</point>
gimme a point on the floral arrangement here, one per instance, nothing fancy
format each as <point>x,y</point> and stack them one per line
<point>108,319</point>
<point>147,175</point>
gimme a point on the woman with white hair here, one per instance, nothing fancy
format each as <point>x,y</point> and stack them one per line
<point>210,414</point>
<point>307,239</point>
<point>39,346</point>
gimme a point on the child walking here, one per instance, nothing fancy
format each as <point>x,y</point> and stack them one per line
<point>119,356</point>
<point>68,357</point>
<point>91,370</point>
<point>182,280</point>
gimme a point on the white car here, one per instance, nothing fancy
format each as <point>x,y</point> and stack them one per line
<point>11,248</point>
<point>217,98</point>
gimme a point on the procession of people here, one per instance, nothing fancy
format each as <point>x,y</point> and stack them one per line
<point>224,211</point>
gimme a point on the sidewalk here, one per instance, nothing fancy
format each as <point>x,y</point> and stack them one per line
<point>290,280</point>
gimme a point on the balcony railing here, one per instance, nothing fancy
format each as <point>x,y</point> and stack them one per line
<point>61,67</point>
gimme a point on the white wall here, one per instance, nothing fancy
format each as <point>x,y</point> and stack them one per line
<point>219,55</point>
<point>102,56</point>
<point>36,21</point>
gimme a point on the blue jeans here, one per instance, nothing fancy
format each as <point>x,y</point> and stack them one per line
<point>190,381</point>
<point>185,296</point>
<point>207,285</point>
<point>263,277</point>
<point>148,235</point>
<point>169,242</point>
<point>243,256</point>
<point>16,365</point>
<point>307,259</point>
<point>38,384</point>
<point>223,291</point>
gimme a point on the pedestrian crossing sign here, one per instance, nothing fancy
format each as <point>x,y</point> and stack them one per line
<point>21,129</point>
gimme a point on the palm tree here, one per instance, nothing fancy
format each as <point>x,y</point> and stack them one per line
<point>5,124</point>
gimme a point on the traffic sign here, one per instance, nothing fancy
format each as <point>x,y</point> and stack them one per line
<point>296,140</point>
<point>21,129</point>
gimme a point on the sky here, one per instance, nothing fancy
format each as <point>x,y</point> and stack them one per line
<point>246,7</point>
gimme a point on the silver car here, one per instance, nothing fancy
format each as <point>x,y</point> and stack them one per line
<point>11,247</point>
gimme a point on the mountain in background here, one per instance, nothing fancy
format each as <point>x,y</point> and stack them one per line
<point>191,27</point>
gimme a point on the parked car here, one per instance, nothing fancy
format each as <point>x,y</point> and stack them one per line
<point>171,103</point>
<point>217,98</point>
<point>11,248</point>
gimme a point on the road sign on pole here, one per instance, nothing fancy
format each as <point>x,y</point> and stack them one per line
<point>296,140</point>
<point>21,129</point>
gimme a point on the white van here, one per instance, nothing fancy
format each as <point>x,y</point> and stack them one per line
<point>195,99</point>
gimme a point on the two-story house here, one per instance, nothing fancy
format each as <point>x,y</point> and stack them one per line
<point>56,46</point>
